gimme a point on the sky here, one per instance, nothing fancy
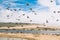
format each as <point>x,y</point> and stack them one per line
<point>57,2</point>
<point>21,4</point>
<point>30,11</point>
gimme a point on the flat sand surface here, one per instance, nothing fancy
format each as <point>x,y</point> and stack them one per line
<point>31,36</point>
<point>29,26</point>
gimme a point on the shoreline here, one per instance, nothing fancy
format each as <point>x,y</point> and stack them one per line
<point>30,36</point>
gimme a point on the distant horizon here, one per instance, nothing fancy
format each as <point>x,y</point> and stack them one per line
<point>30,11</point>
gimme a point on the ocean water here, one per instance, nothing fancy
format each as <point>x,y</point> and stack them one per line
<point>2,38</point>
<point>53,32</point>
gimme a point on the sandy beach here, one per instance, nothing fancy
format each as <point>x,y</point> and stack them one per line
<point>29,27</point>
<point>31,36</point>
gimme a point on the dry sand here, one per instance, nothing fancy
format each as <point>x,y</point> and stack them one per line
<point>31,36</point>
<point>30,26</point>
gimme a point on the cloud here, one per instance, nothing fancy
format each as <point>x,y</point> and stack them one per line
<point>16,14</point>
<point>39,14</point>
